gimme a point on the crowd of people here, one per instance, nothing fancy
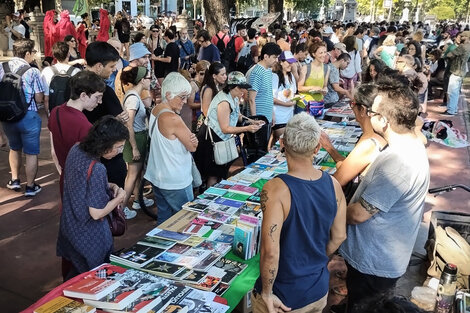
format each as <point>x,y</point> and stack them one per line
<point>147,106</point>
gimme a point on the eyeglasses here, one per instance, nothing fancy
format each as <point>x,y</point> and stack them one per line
<point>33,51</point>
<point>371,113</point>
<point>155,31</point>
<point>201,73</point>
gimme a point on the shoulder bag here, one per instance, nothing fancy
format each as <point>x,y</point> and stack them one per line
<point>116,219</point>
<point>224,151</point>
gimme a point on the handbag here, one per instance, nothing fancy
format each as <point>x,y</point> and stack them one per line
<point>197,180</point>
<point>116,219</point>
<point>224,151</point>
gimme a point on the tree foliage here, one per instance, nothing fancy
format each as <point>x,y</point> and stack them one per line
<point>443,13</point>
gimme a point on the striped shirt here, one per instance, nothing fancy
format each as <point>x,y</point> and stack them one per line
<point>32,82</point>
<point>261,80</point>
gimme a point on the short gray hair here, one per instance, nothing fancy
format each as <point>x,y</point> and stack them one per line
<point>302,134</point>
<point>175,84</point>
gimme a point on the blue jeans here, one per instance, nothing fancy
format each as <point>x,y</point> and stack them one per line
<point>170,201</point>
<point>453,91</point>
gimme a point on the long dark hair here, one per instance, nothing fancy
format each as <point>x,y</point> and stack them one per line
<point>208,81</point>
<point>379,66</point>
<point>277,69</point>
<point>103,135</point>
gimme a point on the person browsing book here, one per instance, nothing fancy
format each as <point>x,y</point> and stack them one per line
<point>85,240</point>
<point>304,221</point>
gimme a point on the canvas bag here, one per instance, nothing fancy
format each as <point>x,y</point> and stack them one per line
<point>447,242</point>
<point>116,219</point>
<point>224,151</point>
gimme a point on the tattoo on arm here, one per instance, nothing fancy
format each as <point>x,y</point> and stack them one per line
<point>272,229</point>
<point>368,207</point>
<point>272,271</point>
<point>263,199</point>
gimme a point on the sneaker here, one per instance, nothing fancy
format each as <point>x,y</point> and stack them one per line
<point>148,202</point>
<point>129,214</point>
<point>447,113</point>
<point>14,185</point>
<point>32,191</point>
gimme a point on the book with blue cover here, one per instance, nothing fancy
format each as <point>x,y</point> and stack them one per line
<point>241,242</point>
<point>230,202</point>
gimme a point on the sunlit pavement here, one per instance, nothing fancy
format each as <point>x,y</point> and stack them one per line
<point>29,226</point>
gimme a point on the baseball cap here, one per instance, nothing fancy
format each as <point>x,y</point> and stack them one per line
<point>340,46</point>
<point>238,79</point>
<point>137,51</point>
<point>328,30</point>
<point>16,14</point>
<point>287,56</point>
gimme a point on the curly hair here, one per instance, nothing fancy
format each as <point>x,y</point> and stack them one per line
<point>103,135</point>
<point>379,67</point>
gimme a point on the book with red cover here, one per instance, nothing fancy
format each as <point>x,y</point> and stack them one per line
<point>117,299</point>
<point>243,189</point>
<point>91,288</point>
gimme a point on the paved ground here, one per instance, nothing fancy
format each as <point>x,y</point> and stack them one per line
<point>28,227</point>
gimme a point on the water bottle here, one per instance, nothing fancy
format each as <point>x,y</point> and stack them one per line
<point>446,289</point>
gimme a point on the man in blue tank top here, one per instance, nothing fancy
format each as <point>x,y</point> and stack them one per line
<point>386,210</point>
<point>304,221</point>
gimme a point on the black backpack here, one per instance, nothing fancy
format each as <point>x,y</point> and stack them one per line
<point>59,88</point>
<point>230,54</point>
<point>13,105</point>
<point>220,43</point>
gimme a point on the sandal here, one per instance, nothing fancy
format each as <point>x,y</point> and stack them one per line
<point>340,290</point>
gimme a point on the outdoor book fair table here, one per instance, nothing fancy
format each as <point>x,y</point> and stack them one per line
<point>204,258</point>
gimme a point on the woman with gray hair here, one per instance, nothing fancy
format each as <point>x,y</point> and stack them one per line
<point>169,163</point>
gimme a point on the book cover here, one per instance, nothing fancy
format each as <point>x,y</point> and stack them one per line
<point>178,221</point>
<point>215,191</point>
<point>243,189</point>
<point>215,246</point>
<point>230,265</point>
<point>182,274</point>
<point>193,241</point>
<point>249,209</point>
<point>208,283</point>
<point>223,208</point>
<point>230,202</point>
<point>241,242</point>
<point>168,257</point>
<point>171,294</point>
<point>163,268</point>
<point>157,242</point>
<point>175,308</point>
<point>194,206</point>
<point>91,288</point>
<point>224,238</point>
<point>221,288</point>
<point>64,305</point>
<point>215,216</point>
<point>137,255</point>
<point>208,196</point>
<point>228,277</point>
<point>179,248</point>
<point>195,277</point>
<point>194,305</point>
<point>149,283</point>
<point>206,263</point>
<point>224,184</point>
<point>142,304</point>
<point>171,235</point>
<point>236,196</point>
<point>117,299</point>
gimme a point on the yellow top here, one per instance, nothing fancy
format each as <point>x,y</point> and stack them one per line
<point>316,78</point>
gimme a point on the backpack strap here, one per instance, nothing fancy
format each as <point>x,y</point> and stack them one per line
<point>217,35</point>
<point>70,70</point>
<point>55,70</point>
<point>23,70</point>
<point>6,67</point>
<point>309,70</point>
<point>127,96</point>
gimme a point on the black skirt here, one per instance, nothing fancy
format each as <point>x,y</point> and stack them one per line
<point>204,156</point>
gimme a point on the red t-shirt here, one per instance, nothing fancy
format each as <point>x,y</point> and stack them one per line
<point>239,41</point>
<point>74,126</point>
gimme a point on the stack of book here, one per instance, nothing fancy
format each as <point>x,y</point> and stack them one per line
<point>246,241</point>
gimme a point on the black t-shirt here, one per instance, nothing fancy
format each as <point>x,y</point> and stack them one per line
<point>172,50</point>
<point>110,105</point>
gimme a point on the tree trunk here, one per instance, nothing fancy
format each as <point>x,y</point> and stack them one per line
<point>275,6</point>
<point>217,14</point>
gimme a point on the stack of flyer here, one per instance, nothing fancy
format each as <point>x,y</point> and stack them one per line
<point>247,236</point>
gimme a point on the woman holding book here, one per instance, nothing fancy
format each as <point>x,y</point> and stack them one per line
<point>85,239</point>
<point>367,148</point>
<point>223,115</point>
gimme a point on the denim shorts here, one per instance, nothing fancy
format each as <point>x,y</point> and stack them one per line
<point>24,134</point>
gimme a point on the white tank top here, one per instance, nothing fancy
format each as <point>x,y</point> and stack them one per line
<point>169,163</point>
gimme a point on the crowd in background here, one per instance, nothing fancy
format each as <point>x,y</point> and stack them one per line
<point>185,89</point>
